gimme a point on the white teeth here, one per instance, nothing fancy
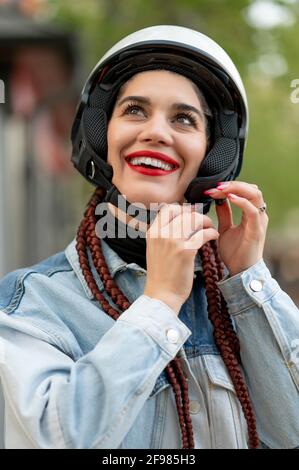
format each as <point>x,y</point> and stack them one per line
<point>151,161</point>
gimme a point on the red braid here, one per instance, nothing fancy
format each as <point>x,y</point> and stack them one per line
<point>225,337</point>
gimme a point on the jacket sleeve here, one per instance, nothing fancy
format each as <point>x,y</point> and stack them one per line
<point>267,324</point>
<point>56,402</point>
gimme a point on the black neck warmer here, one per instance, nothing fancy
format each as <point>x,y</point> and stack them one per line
<point>128,243</point>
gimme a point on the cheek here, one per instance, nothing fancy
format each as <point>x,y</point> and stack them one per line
<point>195,151</point>
<point>118,136</point>
<point>113,141</point>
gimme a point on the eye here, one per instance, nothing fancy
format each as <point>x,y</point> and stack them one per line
<point>133,109</point>
<point>186,119</point>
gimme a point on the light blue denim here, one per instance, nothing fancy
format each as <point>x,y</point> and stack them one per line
<point>74,378</point>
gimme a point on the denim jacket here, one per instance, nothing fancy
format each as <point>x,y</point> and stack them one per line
<point>73,377</point>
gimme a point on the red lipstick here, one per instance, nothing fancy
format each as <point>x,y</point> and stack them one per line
<point>151,171</point>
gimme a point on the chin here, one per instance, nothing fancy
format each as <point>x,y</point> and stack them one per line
<point>146,200</point>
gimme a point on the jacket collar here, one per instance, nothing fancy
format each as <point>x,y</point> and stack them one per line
<point>114,263</point>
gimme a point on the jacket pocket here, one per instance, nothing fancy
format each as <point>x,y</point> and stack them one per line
<point>227,423</point>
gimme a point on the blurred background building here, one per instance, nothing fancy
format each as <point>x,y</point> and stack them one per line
<point>38,66</point>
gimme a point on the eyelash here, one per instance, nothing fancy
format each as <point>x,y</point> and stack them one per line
<point>131,106</point>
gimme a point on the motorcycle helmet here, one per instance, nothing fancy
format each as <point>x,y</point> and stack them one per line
<point>181,50</point>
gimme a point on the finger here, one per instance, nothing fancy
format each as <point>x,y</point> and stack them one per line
<point>242,189</point>
<point>250,210</point>
<point>200,238</point>
<point>166,212</point>
<point>225,216</point>
<point>185,224</point>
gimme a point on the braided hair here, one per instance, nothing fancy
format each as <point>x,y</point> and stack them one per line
<point>224,334</point>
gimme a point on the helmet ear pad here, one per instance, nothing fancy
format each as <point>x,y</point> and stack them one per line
<point>95,124</point>
<point>95,120</point>
<point>90,140</point>
<point>223,150</point>
<point>221,160</point>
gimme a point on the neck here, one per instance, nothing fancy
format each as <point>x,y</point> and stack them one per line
<point>126,236</point>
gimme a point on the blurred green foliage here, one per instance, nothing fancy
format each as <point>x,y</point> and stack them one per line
<point>271,158</point>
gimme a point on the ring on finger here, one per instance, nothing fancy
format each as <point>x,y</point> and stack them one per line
<point>263,208</point>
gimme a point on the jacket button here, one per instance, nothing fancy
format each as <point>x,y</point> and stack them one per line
<point>194,407</point>
<point>256,285</point>
<point>172,335</point>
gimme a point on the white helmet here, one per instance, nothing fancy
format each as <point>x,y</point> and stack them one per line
<point>188,53</point>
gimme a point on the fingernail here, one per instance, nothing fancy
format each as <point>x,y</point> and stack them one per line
<point>209,191</point>
<point>232,196</point>
<point>222,186</point>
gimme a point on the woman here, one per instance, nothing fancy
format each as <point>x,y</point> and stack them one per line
<point>151,341</point>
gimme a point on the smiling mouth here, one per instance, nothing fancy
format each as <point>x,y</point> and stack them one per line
<point>151,161</point>
<point>150,170</point>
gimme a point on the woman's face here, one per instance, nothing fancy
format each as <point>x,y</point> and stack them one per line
<point>157,112</point>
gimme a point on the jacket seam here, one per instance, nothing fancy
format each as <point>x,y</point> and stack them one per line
<point>56,340</point>
<point>159,420</point>
<point>20,289</point>
<point>148,333</point>
<point>256,303</point>
<point>282,342</point>
<point>59,341</point>
<point>233,411</point>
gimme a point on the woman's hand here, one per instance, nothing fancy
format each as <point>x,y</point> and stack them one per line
<point>172,242</point>
<point>240,246</point>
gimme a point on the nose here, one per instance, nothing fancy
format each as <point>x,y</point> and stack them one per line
<point>156,130</point>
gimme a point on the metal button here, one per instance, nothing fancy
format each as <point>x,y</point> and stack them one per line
<point>172,335</point>
<point>194,407</point>
<point>256,285</point>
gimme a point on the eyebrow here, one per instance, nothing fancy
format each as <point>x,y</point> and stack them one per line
<point>176,106</point>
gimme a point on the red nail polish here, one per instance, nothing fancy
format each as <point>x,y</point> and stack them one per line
<point>224,185</point>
